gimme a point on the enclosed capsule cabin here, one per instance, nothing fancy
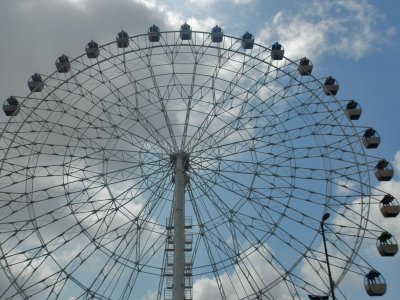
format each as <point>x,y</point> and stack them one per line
<point>389,206</point>
<point>331,86</point>
<point>353,110</point>
<point>217,34</point>
<point>247,41</point>
<point>371,138</point>
<point>185,32</point>
<point>374,283</point>
<point>305,67</point>
<point>92,49</point>
<point>35,83</point>
<point>154,34</point>
<point>383,170</point>
<point>62,64</point>
<point>277,51</point>
<point>386,244</point>
<point>122,39</point>
<point>11,106</point>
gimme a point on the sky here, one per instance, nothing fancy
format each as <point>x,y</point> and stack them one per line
<point>357,42</point>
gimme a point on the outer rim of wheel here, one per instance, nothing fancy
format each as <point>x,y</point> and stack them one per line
<point>364,216</point>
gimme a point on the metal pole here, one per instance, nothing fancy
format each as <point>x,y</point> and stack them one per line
<point>179,226</point>
<point>324,218</point>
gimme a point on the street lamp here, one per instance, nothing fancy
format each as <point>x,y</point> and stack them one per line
<point>324,218</point>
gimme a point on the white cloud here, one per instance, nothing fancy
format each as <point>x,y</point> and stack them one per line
<point>175,20</point>
<point>396,163</point>
<point>150,4</point>
<point>252,272</point>
<point>242,1</point>
<point>202,24</point>
<point>319,29</point>
<point>78,3</point>
<point>206,288</point>
<point>203,3</point>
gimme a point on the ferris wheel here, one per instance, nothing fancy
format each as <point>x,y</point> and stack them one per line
<point>187,165</point>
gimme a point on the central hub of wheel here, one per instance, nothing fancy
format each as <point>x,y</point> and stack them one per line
<point>180,156</point>
<point>180,163</point>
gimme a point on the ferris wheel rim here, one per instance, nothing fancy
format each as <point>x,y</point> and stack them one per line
<point>194,45</point>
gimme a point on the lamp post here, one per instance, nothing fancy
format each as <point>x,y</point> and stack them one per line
<point>324,218</point>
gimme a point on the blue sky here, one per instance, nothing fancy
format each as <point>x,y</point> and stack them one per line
<point>357,42</point>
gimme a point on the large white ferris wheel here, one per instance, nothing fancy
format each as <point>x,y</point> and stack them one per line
<point>187,165</point>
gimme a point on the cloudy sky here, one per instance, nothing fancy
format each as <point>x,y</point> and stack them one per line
<point>357,42</point>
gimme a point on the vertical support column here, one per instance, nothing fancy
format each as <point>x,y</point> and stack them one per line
<point>179,226</point>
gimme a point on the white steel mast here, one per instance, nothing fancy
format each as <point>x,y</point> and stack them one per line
<point>180,160</point>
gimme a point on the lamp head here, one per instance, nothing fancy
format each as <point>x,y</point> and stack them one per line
<point>325,217</point>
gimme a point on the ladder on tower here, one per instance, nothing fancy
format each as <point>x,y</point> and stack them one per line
<point>169,260</point>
